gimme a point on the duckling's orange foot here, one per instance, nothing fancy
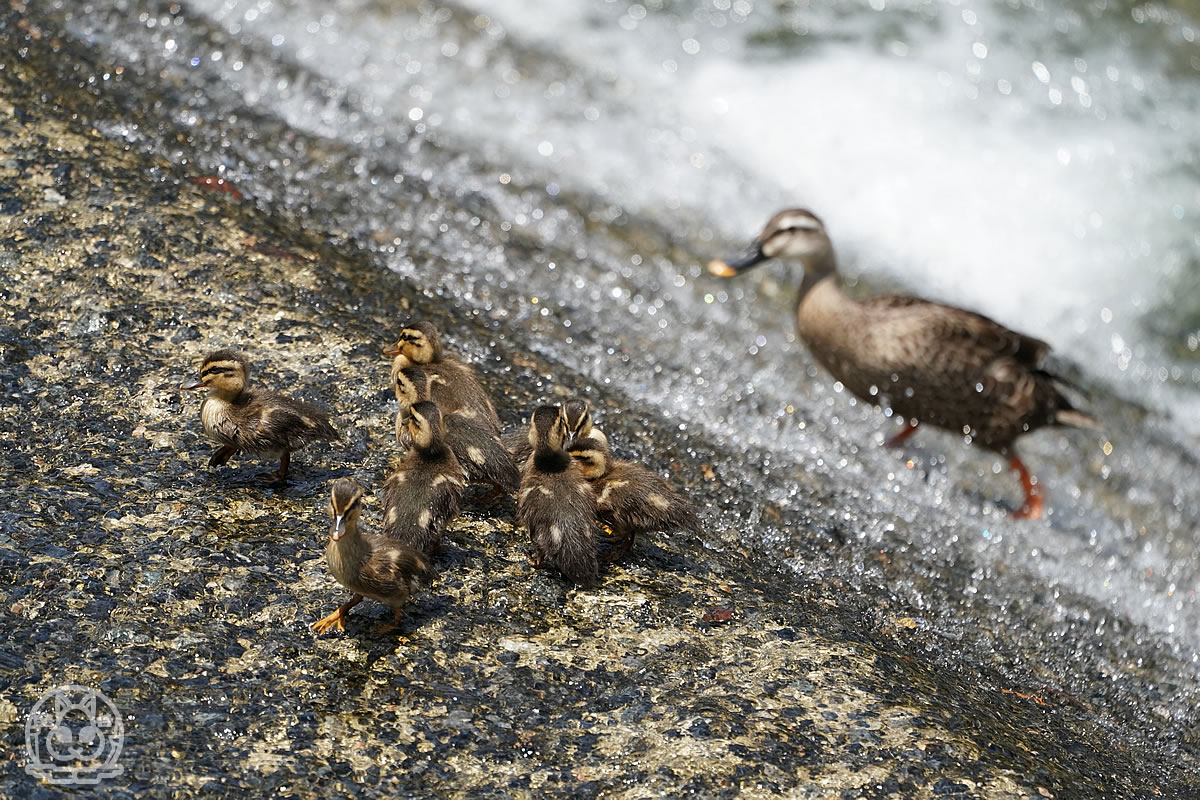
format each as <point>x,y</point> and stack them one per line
<point>335,620</point>
<point>534,558</point>
<point>221,455</point>
<point>338,618</point>
<point>274,480</point>
<point>613,546</point>
<point>388,627</point>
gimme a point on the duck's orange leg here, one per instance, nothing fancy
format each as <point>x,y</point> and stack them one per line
<point>284,461</point>
<point>901,437</point>
<point>388,627</point>
<point>221,455</point>
<point>279,477</point>
<point>1033,498</point>
<point>338,618</point>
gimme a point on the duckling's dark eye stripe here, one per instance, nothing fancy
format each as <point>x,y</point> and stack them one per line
<point>218,370</point>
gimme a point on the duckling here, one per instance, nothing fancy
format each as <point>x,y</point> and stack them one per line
<point>453,385</point>
<point>931,363</point>
<point>630,498</point>
<point>556,504</point>
<point>579,426</point>
<point>424,493</point>
<point>256,421</point>
<point>478,449</point>
<point>366,564</point>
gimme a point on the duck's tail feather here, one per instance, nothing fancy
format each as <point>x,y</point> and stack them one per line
<point>577,560</point>
<point>1075,418</point>
<point>1060,381</point>
<point>1064,412</point>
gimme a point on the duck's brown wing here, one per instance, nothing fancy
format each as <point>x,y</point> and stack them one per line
<point>516,442</point>
<point>445,494</point>
<point>277,421</point>
<point>559,510</point>
<point>481,454</point>
<point>966,370</point>
<point>455,388</point>
<point>421,498</point>
<point>632,497</point>
<point>946,328</point>
<point>393,571</point>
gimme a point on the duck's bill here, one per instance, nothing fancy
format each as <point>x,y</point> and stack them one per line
<point>338,529</point>
<point>393,350</point>
<point>192,385</point>
<point>728,268</point>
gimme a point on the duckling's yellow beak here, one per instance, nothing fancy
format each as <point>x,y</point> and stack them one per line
<point>197,384</point>
<point>727,269</point>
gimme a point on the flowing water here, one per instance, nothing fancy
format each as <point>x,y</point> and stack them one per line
<point>574,165</point>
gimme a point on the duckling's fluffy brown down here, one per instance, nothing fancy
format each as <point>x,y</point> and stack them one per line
<point>421,498</point>
<point>265,423</point>
<point>630,499</point>
<point>558,508</point>
<point>424,493</point>
<point>253,420</point>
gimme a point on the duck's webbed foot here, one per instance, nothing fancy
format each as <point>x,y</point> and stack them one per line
<point>221,455</point>
<point>280,476</point>
<point>388,627</point>
<point>615,545</point>
<point>338,618</point>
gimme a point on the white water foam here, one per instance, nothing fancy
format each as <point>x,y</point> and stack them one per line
<point>1035,185</point>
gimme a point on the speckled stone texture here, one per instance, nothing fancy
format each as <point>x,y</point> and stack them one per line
<point>697,667</point>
